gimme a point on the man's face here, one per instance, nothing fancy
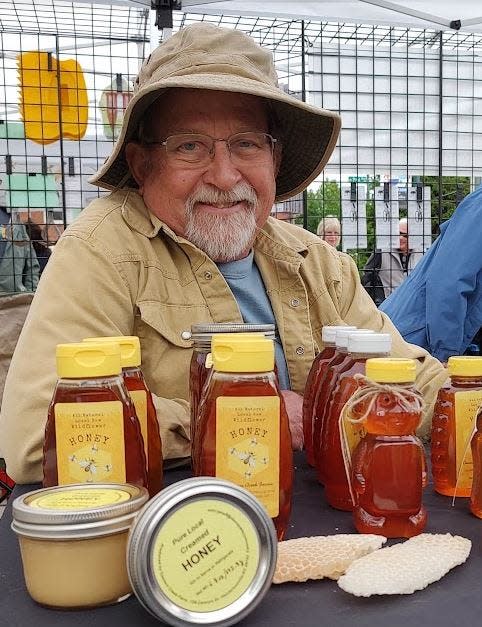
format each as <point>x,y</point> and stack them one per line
<point>403,239</point>
<point>216,205</point>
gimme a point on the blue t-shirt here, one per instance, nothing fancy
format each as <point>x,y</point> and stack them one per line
<point>246,283</point>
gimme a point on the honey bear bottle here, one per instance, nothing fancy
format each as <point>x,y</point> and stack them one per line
<point>388,469</point>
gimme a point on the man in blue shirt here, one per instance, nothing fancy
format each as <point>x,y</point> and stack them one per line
<point>439,306</point>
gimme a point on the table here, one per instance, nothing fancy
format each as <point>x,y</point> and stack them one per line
<point>455,600</point>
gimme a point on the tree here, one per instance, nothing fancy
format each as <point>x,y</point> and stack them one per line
<point>454,189</point>
<point>325,201</point>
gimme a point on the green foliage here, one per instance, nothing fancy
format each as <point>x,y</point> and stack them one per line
<point>325,201</point>
<point>454,188</point>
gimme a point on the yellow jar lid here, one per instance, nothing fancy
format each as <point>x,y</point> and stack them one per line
<point>465,366</point>
<point>242,353</point>
<point>130,348</point>
<point>88,359</point>
<point>391,370</point>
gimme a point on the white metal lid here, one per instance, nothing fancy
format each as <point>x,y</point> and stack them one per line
<point>77,511</point>
<point>202,552</point>
<point>376,343</point>
<point>328,333</point>
<point>341,338</point>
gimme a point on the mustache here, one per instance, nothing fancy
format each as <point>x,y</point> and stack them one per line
<point>209,195</point>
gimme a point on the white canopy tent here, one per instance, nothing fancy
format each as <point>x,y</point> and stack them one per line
<point>438,14</point>
<point>465,15</point>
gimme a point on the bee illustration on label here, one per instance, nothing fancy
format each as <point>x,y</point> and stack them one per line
<point>90,461</point>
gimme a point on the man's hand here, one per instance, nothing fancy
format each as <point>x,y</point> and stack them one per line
<point>294,409</point>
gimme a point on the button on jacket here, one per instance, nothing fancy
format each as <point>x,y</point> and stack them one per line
<point>118,270</point>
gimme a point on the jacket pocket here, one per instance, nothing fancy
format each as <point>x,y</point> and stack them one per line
<point>169,321</point>
<point>165,353</point>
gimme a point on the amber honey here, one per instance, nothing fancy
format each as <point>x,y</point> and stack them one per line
<point>313,381</point>
<point>136,384</point>
<point>360,348</point>
<point>200,365</point>
<point>130,352</point>
<point>340,362</point>
<point>452,425</point>
<point>388,470</point>
<point>92,433</point>
<point>476,446</point>
<point>243,432</point>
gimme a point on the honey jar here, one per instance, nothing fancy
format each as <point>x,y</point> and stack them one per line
<point>73,542</point>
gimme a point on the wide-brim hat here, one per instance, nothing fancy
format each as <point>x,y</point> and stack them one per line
<point>204,56</point>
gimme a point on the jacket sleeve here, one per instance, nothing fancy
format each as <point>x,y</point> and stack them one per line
<point>357,309</point>
<point>454,281</point>
<point>82,294</point>
<point>31,271</point>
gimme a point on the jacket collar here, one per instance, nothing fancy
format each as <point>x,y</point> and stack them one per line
<point>274,239</point>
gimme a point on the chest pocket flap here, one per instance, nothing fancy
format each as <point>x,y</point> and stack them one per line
<point>169,321</point>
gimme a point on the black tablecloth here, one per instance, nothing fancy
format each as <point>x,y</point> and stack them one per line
<point>455,600</point>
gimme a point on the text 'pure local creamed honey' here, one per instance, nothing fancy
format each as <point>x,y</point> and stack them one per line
<point>243,433</point>
<point>92,433</point>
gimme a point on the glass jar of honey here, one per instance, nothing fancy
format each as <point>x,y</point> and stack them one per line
<point>73,542</point>
<point>92,433</point>
<point>452,425</point>
<point>130,352</point>
<point>243,432</point>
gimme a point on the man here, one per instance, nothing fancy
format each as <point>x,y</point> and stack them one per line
<point>439,305</point>
<point>386,270</point>
<point>208,143</point>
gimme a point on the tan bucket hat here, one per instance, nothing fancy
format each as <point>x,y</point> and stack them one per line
<point>204,56</point>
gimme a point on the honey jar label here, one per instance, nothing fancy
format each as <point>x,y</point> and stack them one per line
<point>248,445</point>
<point>206,555</point>
<point>139,398</point>
<point>79,499</point>
<point>354,432</point>
<point>90,442</point>
<point>466,406</point>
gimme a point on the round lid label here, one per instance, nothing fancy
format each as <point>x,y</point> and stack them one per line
<point>206,555</point>
<point>80,499</point>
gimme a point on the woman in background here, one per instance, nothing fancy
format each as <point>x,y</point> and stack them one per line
<point>329,229</point>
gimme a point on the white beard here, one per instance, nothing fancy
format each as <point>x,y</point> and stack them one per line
<point>222,238</point>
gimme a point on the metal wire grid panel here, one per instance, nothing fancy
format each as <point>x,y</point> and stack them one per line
<point>409,101</point>
<point>66,74</point>
<point>411,109</point>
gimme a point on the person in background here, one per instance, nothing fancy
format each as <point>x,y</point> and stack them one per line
<point>208,143</point>
<point>19,267</point>
<point>42,251</point>
<point>329,229</point>
<point>439,306</point>
<point>385,271</point>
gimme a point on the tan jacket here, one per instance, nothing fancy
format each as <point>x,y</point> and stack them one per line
<point>119,271</point>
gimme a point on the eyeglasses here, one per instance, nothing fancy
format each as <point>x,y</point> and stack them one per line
<point>192,149</point>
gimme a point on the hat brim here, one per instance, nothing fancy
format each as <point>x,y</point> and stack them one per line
<point>309,133</point>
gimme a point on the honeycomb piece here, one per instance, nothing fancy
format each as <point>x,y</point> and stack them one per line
<point>405,567</point>
<point>321,556</point>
